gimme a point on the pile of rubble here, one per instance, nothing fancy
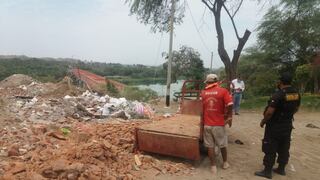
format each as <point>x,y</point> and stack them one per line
<point>19,85</point>
<point>58,131</point>
<point>77,150</point>
<point>31,100</point>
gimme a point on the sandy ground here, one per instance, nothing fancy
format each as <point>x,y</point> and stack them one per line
<point>245,159</point>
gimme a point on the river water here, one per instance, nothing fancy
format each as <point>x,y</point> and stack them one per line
<point>161,88</point>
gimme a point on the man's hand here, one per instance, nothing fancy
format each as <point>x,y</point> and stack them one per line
<point>228,121</point>
<point>262,123</point>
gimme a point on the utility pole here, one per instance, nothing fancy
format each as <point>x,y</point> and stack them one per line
<point>170,53</point>
<point>211,61</point>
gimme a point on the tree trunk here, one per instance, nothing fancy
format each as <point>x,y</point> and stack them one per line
<point>230,65</point>
<point>231,72</point>
<point>302,88</point>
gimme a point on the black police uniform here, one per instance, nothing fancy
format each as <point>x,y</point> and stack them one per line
<point>278,129</point>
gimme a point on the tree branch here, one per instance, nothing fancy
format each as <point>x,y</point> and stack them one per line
<point>232,20</point>
<point>237,52</point>
<point>221,48</point>
<point>237,9</point>
<point>206,3</point>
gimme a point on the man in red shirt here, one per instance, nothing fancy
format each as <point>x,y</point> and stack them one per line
<point>217,112</point>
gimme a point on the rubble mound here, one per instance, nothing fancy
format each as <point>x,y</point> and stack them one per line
<point>76,150</point>
<point>62,88</point>
<point>16,80</point>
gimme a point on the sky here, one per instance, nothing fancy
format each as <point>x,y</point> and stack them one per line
<point>104,31</point>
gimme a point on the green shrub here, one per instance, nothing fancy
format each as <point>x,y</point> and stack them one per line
<point>311,102</point>
<point>308,102</point>
<point>112,90</point>
<point>134,93</point>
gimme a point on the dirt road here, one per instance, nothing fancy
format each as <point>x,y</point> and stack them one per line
<point>245,159</point>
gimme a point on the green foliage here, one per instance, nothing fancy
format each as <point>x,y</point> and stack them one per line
<point>260,77</point>
<point>255,103</point>
<point>134,93</point>
<point>263,82</point>
<point>308,102</point>
<point>311,102</point>
<point>303,75</point>
<point>186,63</point>
<point>53,70</point>
<point>41,69</point>
<point>289,32</point>
<point>112,90</point>
<point>288,37</point>
<point>156,13</point>
<point>138,81</point>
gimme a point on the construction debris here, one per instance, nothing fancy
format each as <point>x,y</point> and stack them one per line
<point>37,101</point>
<point>89,151</point>
<point>68,133</point>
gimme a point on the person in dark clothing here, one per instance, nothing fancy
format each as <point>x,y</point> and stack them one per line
<point>278,118</point>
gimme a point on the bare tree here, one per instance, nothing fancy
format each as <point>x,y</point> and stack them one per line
<point>216,6</point>
<point>155,12</point>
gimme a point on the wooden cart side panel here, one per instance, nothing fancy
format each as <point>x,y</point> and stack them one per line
<point>166,144</point>
<point>191,107</point>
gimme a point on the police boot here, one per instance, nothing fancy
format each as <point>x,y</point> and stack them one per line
<point>280,170</point>
<point>267,173</point>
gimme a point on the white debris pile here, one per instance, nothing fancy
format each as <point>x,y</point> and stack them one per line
<point>87,106</point>
<point>40,109</point>
<point>91,104</point>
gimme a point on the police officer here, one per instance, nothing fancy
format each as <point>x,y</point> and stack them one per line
<point>278,117</point>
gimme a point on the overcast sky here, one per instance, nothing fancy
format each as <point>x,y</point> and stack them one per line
<point>102,30</point>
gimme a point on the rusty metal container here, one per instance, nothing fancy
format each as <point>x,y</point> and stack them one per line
<point>177,136</point>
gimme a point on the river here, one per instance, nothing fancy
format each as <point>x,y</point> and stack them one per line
<point>161,88</point>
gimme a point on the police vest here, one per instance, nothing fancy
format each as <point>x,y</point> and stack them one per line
<point>288,102</point>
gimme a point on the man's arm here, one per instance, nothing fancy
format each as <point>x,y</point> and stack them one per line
<point>228,108</point>
<point>270,109</point>
<point>243,87</point>
<point>228,115</point>
<point>267,116</point>
<point>202,118</point>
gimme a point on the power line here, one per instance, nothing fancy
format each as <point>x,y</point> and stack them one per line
<point>195,25</point>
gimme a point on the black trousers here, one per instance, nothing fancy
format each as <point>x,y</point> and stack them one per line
<point>275,143</point>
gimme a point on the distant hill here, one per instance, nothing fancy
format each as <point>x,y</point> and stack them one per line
<point>54,69</point>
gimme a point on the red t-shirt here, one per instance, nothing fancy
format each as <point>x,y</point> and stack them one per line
<point>215,99</point>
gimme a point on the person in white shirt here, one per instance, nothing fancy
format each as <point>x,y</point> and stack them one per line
<point>237,87</point>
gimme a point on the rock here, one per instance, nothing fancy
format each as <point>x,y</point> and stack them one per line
<point>35,176</point>
<point>57,135</point>
<point>147,159</point>
<point>48,173</point>
<point>73,175</point>
<point>129,177</point>
<point>77,167</point>
<point>107,145</point>
<point>59,165</point>
<point>312,126</point>
<point>135,167</point>
<point>38,129</point>
<point>137,160</point>
<point>83,137</point>
<point>22,151</point>
<point>18,168</point>
<point>14,150</point>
